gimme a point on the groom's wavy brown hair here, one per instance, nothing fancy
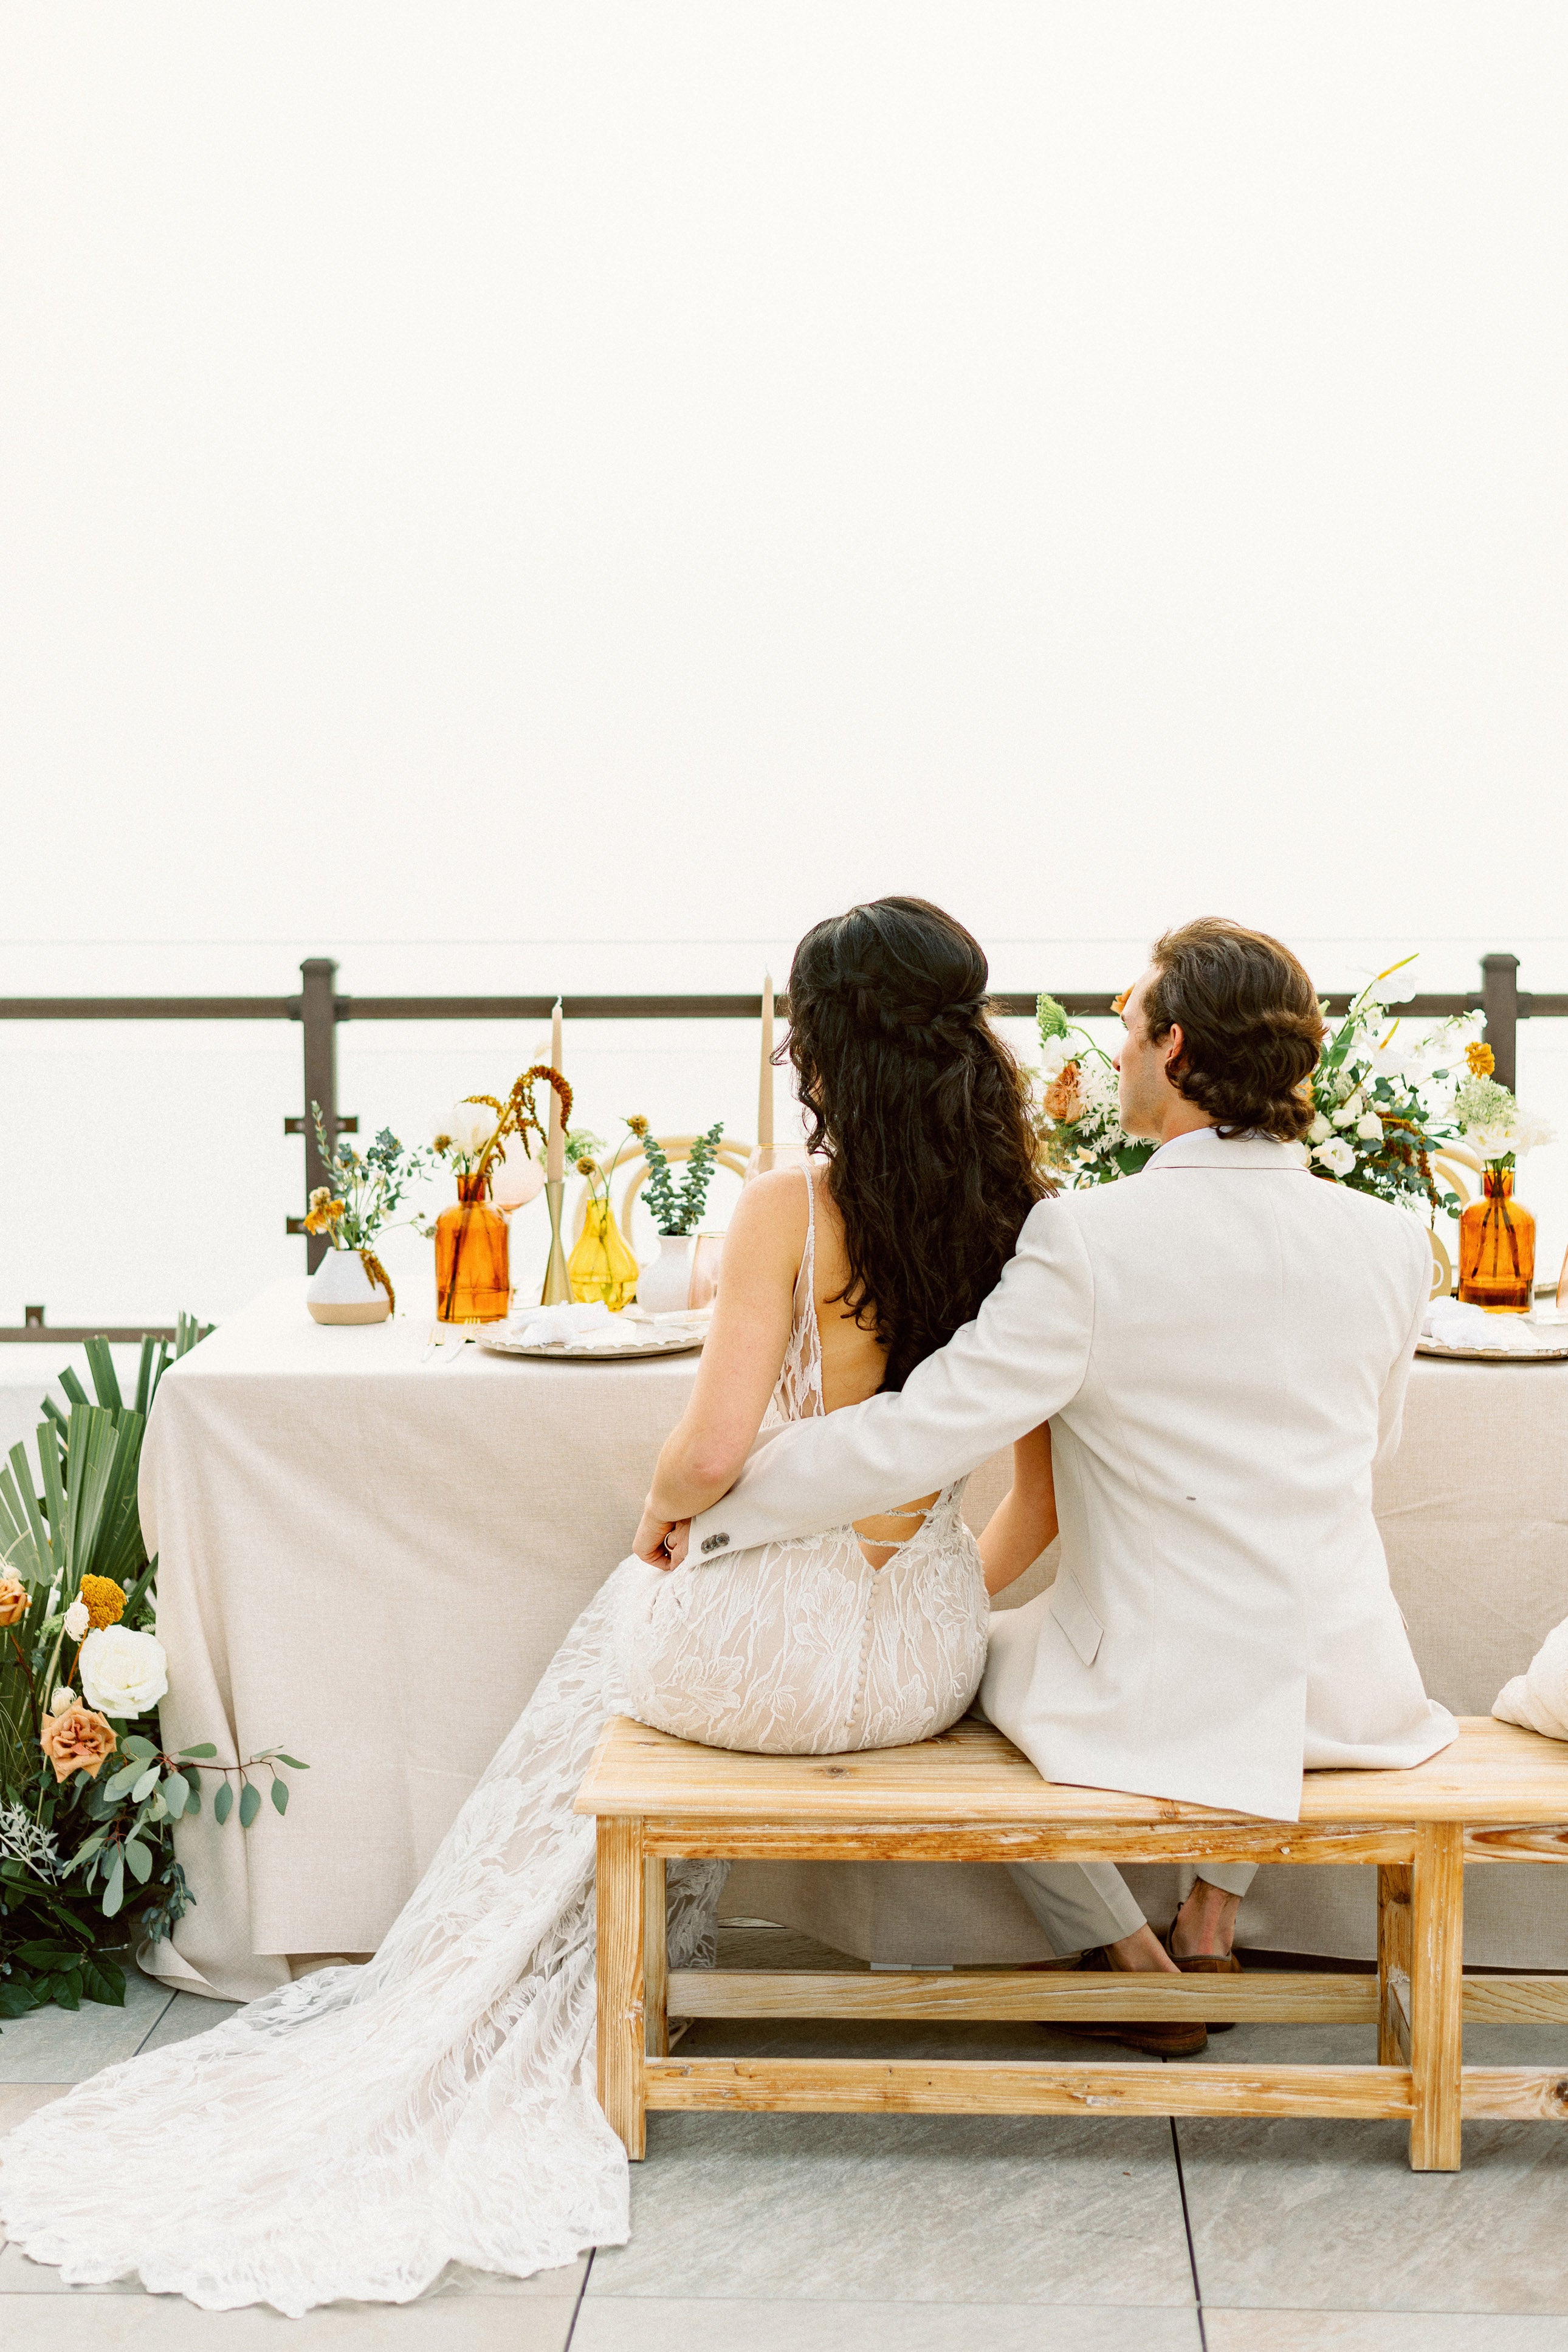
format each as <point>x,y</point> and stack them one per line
<point>1250,1026</point>
<point>922,1110</point>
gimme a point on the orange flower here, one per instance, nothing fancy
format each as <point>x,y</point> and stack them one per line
<point>1062,1100</point>
<point>77,1741</point>
<point>324,1212</point>
<point>13,1599</point>
<point>105,1600</point>
<point>1117,1001</point>
<point>1482,1059</point>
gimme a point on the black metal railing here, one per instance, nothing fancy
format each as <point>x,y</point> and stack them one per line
<point>319,1008</point>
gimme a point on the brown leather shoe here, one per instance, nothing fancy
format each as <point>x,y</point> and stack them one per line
<point>1154,2038</point>
<point>1206,1964</point>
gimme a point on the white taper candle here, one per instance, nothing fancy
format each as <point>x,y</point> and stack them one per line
<point>555,1157</point>
<point>765,1084</point>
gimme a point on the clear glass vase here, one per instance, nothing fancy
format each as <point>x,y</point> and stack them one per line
<point>1497,1248</point>
<point>601,1265</point>
<point>473,1266</point>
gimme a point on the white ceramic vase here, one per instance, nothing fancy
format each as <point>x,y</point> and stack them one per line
<point>665,1287</point>
<point>342,1291</point>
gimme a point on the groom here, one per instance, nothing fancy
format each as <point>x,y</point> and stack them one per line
<point>1221,1347</point>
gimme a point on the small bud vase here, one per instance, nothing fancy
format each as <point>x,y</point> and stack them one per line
<point>473,1276</point>
<point>349,1286</point>
<point>665,1287</point>
<point>1497,1248</point>
<point>601,1265</point>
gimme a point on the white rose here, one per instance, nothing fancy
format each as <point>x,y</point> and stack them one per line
<point>123,1673</point>
<point>1350,1110</point>
<point>1319,1131</point>
<point>470,1127</point>
<point>77,1621</point>
<point>65,1696</point>
<point>1370,1128</point>
<point>1338,1156</point>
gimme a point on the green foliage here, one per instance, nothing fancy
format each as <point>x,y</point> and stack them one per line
<point>680,1211</point>
<point>82,1853</point>
<point>371,1185</point>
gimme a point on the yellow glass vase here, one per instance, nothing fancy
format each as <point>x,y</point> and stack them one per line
<point>601,1265</point>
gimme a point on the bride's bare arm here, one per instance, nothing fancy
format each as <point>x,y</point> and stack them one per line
<point>1025,1520</point>
<point>741,1364</point>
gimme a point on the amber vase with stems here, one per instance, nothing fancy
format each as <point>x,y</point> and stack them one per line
<point>473,1273</point>
<point>1497,1248</point>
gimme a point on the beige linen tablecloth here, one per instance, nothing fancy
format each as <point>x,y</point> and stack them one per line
<point>369,1552</point>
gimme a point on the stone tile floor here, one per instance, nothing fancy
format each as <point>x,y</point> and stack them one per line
<point>808,2233</point>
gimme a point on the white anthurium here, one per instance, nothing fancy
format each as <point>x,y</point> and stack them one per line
<point>123,1673</point>
<point>516,1178</point>
<point>1337,1156</point>
<point>1370,1128</point>
<point>469,1127</point>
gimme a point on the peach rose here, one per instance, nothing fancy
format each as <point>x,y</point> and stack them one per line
<point>76,1741</point>
<point>1063,1101</point>
<point>13,1599</point>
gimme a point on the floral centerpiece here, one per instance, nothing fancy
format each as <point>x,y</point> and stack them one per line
<point>1496,1234</point>
<point>676,1212</point>
<point>88,1795</point>
<point>1078,1121</point>
<point>358,1201</point>
<point>603,1266</point>
<point>485,1142</point>
<point>1376,1120</point>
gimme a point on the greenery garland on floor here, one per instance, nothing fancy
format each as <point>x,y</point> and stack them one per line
<point>87,1796</point>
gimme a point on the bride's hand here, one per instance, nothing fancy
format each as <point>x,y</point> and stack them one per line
<point>661,1541</point>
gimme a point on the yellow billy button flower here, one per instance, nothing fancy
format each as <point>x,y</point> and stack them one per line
<point>104,1600</point>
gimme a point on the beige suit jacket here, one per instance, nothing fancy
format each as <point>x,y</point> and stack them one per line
<point>1222,1347</point>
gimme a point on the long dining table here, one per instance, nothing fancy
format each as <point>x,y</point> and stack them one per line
<point>371,1539</point>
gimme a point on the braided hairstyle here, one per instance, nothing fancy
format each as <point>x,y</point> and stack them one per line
<point>922,1109</point>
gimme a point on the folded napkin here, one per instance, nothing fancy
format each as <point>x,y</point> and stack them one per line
<point>543,1326</point>
<point>1455,1325</point>
<point>1539,1698</point>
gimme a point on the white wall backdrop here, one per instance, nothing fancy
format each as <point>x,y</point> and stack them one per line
<point>526,496</point>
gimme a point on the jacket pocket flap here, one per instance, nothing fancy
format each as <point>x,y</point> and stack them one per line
<point>1076,1617</point>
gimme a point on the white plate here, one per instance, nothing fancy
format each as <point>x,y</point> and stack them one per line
<point>562,1351</point>
<point>1548,1352</point>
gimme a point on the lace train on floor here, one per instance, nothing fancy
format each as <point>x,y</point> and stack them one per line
<point>351,2134</point>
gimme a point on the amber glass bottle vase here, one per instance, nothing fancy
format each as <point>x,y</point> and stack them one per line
<point>1497,1248</point>
<point>473,1279</point>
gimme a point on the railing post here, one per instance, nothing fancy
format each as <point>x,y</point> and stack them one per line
<point>1500,1004</point>
<point>319,1017</point>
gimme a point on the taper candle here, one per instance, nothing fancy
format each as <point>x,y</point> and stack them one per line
<point>555,1155</point>
<point>766,1084</point>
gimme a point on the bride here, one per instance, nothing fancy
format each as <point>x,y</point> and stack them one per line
<point>354,2133</point>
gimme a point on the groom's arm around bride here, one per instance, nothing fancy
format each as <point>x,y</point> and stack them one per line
<point>1221,1347</point>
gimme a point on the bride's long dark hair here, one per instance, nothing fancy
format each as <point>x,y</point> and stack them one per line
<point>920,1106</point>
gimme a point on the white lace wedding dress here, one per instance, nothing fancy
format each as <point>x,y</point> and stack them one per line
<point>353,2133</point>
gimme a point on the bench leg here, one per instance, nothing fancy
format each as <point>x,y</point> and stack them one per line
<point>1394,1964</point>
<point>656,1957</point>
<point>1436,1994</point>
<point>623,2081</point>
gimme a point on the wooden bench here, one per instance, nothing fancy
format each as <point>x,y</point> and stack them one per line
<point>1497,1794</point>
